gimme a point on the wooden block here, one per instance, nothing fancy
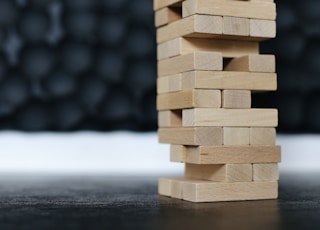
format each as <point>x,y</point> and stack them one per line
<point>244,9</point>
<point>170,118</point>
<point>228,48</point>
<point>167,15</point>
<point>208,191</point>
<point>203,26</point>
<point>176,189</point>
<point>158,4</point>
<point>195,26</point>
<point>164,187</point>
<point>236,26</point>
<point>265,172</point>
<point>169,84</point>
<point>204,191</point>
<point>230,117</point>
<point>236,136</point>
<point>227,154</point>
<point>252,63</point>
<point>178,153</point>
<point>191,136</point>
<point>262,28</point>
<point>189,99</point>
<point>220,173</point>
<point>262,136</point>
<point>229,80</point>
<point>198,60</point>
<point>236,99</point>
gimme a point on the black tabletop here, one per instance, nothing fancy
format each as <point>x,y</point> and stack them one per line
<point>120,202</point>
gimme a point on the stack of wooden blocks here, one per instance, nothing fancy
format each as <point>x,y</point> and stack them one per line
<point>208,66</point>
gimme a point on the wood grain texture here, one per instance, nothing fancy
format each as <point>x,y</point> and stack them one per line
<point>244,9</point>
<point>169,84</point>
<point>164,187</point>
<point>262,136</point>
<point>197,98</point>
<point>236,99</point>
<point>167,15</point>
<point>265,172</point>
<point>170,118</point>
<point>229,117</point>
<point>262,28</point>
<point>236,26</point>
<point>208,191</point>
<point>198,60</point>
<point>229,80</point>
<point>195,26</point>
<point>178,153</point>
<point>191,136</point>
<point>228,48</point>
<point>176,189</point>
<point>227,154</point>
<point>236,136</point>
<point>220,173</point>
<point>252,63</point>
<point>203,191</point>
<point>158,4</point>
<point>211,26</point>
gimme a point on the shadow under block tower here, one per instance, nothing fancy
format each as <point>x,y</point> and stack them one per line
<point>208,66</point>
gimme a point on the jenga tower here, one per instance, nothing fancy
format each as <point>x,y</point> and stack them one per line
<point>208,66</point>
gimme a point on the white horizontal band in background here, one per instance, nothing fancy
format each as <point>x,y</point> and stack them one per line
<point>121,153</point>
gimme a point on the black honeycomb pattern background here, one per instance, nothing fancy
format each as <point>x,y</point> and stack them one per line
<point>297,49</point>
<point>69,65</point>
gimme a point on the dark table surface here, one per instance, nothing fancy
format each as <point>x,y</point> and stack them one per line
<point>113,202</point>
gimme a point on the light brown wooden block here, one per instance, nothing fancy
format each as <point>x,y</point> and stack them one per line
<point>158,4</point>
<point>229,117</point>
<point>227,154</point>
<point>265,172</point>
<point>176,189</point>
<point>167,15</point>
<point>189,99</point>
<point>195,26</point>
<point>236,26</point>
<point>203,26</point>
<point>244,9</point>
<point>204,191</point>
<point>191,136</point>
<point>198,60</point>
<point>164,187</point>
<point>236,136</point>
<point>228,48</point>
<point>220,173</point>
<point>170,187</point>
<point>170,118</point>
<point>252,63</point>
<point>169,84</point>
<point>262,28</point>
<point>236,99</point>
<point>178,153</point>
<point>208,191</point>
<point>262,136</point>
<point>229,80</point>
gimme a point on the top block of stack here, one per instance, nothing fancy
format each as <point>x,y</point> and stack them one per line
<point>249,20</point>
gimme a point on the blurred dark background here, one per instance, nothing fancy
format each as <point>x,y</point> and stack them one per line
<point>70,65</point>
